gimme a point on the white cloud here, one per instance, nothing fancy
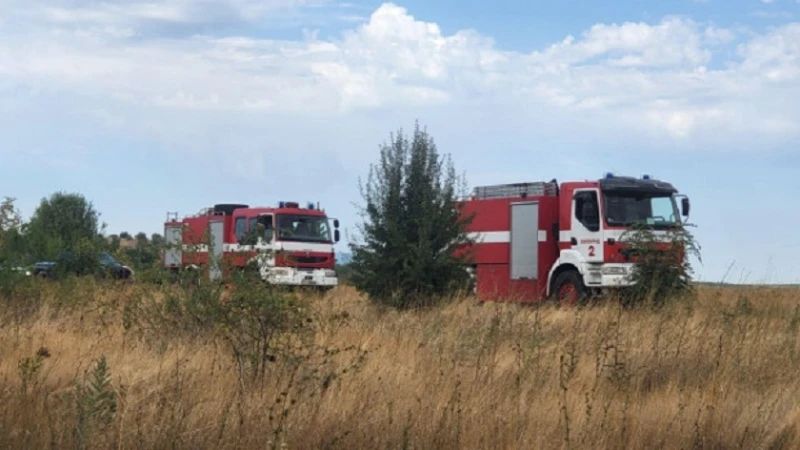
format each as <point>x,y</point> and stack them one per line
<point>774,57</point>
<point>668,79</point>
<point>673,42</point>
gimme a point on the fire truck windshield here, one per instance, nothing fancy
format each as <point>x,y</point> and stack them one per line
<point>628,208</point>
<point>303,228</point>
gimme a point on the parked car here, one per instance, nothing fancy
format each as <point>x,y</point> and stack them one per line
<point>108,264</point>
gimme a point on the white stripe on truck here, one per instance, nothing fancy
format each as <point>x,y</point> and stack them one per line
<point>500,237</point>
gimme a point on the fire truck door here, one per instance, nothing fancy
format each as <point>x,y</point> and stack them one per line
<point>524,241</point>
<point>216,230</point>
<point>173,254</point>
<point>587,233</point>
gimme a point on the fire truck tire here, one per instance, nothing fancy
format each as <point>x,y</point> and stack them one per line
<point>569,289</point>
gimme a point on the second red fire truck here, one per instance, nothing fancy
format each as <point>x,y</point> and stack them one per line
<point>288,244</point>
<point>541,239</point>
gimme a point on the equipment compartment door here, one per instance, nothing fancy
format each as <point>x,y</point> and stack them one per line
<point>173,255</point>
<point>524,241</point>
<point>216,230</point>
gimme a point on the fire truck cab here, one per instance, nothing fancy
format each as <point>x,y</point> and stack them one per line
<point>289,244</point>
<point>540,239</point>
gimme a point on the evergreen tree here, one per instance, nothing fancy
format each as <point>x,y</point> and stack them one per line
<point>412,226</point>
<point>662,270</point>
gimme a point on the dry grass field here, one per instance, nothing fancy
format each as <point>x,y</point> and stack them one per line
<point>721,373</point>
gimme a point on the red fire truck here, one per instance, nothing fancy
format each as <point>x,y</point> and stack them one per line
<point>288,244</point>
<point>537,240</point>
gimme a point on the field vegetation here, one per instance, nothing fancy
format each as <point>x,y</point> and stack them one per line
<point>95,364</point>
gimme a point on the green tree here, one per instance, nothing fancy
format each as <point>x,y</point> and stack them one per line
<point>113,243</point>
<point>12,239</point>
<point>145,254</point>
<point>412,228</point>
<point>10,217</point>
<point>64,222</point>
<point>13,246</point>
<point>157,241</point>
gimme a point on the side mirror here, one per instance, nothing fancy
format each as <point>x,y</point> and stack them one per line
<point>335,223</point>
<point>685,206</point>
<point>336,235</point>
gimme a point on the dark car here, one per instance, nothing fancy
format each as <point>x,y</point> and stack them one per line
<point>109,266</point>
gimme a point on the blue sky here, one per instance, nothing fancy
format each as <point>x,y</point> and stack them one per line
<point>147,107</point>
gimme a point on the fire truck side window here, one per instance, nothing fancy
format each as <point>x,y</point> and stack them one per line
<point>266,223</point>
<point>586,210</point>
<point>240,229</point>
<point>250,236</point>
<point>258,227</point>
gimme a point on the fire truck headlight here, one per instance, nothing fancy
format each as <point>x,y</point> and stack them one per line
<point>615,270</point>
<point>281,272</point>
<point>330,273</point>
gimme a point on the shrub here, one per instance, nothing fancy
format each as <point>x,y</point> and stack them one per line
<point>257,321</point>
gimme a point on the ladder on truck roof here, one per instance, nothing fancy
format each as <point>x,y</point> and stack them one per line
<point>529,189</point>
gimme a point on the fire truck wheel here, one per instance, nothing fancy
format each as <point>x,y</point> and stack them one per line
<point>569,289</point>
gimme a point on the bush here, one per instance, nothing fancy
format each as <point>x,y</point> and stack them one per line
<point>257,321</point>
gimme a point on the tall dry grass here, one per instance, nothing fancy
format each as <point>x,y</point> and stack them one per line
<point>719,373</point>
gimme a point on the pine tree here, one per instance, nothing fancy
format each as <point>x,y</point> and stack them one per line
<point>662,270</point>
<point>412,226</point>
